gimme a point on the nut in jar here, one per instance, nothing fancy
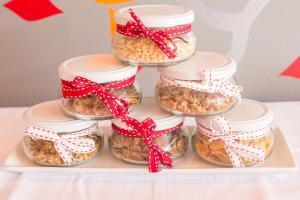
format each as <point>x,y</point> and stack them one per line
<point>242,137</point>
<point>200,86</point>
<point>150,38</point>
<point>54,139</point>
<point>98,87</point>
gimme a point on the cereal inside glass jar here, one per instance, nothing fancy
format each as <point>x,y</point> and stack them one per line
<point>54,139</point>
<point>204,85</point>
<point>98,87</point>
<point>135,150</point>
<point>241,137</point>
<point>152,35</point>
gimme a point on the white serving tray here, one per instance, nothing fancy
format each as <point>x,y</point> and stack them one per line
<point>189,166</point>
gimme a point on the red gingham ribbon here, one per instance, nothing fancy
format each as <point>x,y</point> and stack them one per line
<point>81,87</point>
<point>161,37</point>
<point>145,131</point>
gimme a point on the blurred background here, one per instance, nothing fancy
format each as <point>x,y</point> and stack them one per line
<point>262,35</point>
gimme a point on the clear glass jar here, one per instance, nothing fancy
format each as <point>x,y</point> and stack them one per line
<point>52,138</point>
<point>134,150</point>
<point>43,152</point>
<point>145,52</point>
<point>214,151</point>
<point>202,86</point>
<point>135,43</point>
<point>91,107</point>
<point>114,77</point>
<point>242,134</point>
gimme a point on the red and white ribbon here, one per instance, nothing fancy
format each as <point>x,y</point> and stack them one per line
<point>66,143</point>
<point>146,131</point>
<point>161,37</point>
<point>207,84</point>
<point>81,87</point>
<point>235,150</point>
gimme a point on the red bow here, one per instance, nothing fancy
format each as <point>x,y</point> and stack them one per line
<point>145,131</point>
<point>161,37</point>
<point>81,87</point>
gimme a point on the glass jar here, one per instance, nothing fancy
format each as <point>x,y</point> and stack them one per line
<point>108,73</point>
<point>132,45</point>
<point>54,139</point>
<point>201,86</point>
<point>134,150</point>
<point>247,137</point>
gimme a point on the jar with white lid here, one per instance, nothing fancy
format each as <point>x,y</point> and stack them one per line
<point>154,35</point>
<point>54,139</point>
<point>98,87</point>
<point>203,85</point>
<point>241,137</point>
<point>169,134</point>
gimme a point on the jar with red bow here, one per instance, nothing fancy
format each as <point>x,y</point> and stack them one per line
<point>154,35</point>
<point>241,137</point>
<point>54,139</point>
<point>149,135</point>
<point>203,85</point>
<point>98,87</point>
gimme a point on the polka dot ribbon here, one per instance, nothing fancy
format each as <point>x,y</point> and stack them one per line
<point>146,131</point>
<point>81,87</point>
<point>207,84</point>
<point>162,37</point>
<point>67,143</point>
<point>235,150</point>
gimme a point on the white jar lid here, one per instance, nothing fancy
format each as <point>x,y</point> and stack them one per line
<point>220,66</point>
<point>100,68</point>
<point>246,116</point>
<point>160,16</point>
<point>49,115</point>
<point>149,108</point>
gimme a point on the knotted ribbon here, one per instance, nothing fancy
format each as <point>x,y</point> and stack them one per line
<point>65,144</point>
<point>235,150</point>
<point>81,87</point>
<point>146,131</point>
<point>161,37</point>
<point>207,84</point>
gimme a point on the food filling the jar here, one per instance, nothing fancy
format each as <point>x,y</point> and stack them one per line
<point>43,152</point>
<point>135,150</point>
<point>214,150</point>
<point>144,50</point>
<point>192,102</point>
<point>92,106</point>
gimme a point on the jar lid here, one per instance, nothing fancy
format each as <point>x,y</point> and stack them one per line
<point>220,66</point>
<point>246,116</point>
<point>149,108</point>
<point>49,115</point>
<point>100,68</point>
<point>160,16</point>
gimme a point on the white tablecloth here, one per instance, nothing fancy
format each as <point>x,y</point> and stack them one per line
<point>18,186</point>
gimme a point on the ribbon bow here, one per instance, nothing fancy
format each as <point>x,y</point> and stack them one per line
<point>207,84</point>
<point>145,131</point>
<point>236,151</point>
<point>81,87</point>
<point>161,37</point>
<point>65,144</point>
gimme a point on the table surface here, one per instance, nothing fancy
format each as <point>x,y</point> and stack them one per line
<point>25,186</point>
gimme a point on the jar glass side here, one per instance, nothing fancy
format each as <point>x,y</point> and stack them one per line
<point>214,151</point>
<point>134,150</point>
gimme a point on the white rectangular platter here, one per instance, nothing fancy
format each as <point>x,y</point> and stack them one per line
<point>189,166</point>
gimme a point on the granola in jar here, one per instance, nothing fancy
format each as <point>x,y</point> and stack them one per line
<point>198,87</point>
<point>54,139</point>
<point>169,135</point>
<point>148,37</point>
<point>241,137</point>
<point>98,87</point>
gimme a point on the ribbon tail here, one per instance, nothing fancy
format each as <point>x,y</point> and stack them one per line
<point>64,153</point>
<point>249,153</point>
<point>163,157</point>
<point>234,157</point>
<point>152,161</point>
